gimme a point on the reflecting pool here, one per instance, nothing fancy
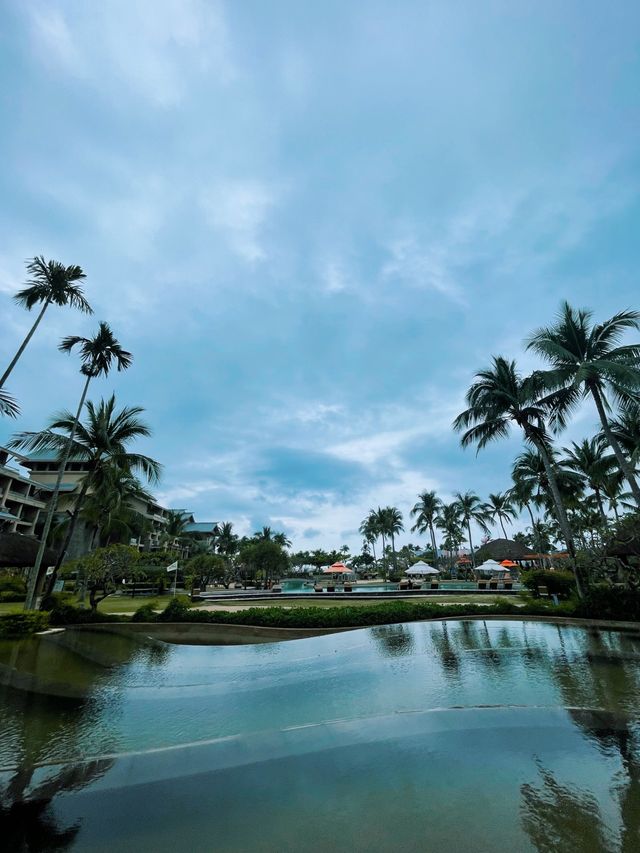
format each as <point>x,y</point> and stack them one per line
<point>470,735</point>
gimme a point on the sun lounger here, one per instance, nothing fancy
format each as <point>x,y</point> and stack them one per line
<point>317,588</point>
<point>493,584</point>
<point>276,588</point>
<point>482,584</point>
<point>435,585</point>
<point>508,584</point>
<point>348,587</point>
<point>543,592</point>
<point>331,588</point>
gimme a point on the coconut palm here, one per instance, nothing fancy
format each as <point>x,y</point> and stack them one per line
<point>587,358</point>
<point>500,397</point>
<point>471,509</point>
<point>108,507</point>
<point>425,512</point>
<point>369,530</point>
<point>8,405</point>
<point>390,521</point>
<point>626,429</point>
<point>449,520</point>
<point>226,539</point>
<point>500,508</point>
<point>282,540</point>
<point>97,355</point>
<point>380,525</point>
<point>50,282</point>
<point>265,533</point>
<point>590,460</point>
<point>100,442</point>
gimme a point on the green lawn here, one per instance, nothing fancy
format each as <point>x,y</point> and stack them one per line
<point>126,604</point>
<point>11,607</point>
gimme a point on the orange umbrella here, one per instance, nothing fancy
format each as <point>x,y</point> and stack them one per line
<point>508,563</point>
<point>337,569</point>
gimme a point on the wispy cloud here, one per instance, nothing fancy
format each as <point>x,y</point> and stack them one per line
<point>238,210</point>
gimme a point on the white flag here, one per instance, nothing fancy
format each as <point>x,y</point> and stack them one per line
<point>173,567</point>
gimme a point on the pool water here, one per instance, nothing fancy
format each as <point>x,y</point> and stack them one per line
<point>456,736</point>
<point>299,586</point>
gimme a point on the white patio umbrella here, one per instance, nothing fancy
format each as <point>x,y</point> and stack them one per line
<point>421,568</point>
<point>490,566</point>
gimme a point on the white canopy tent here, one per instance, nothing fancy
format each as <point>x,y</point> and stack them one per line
<point>490,566</point>
<point>422,569</point>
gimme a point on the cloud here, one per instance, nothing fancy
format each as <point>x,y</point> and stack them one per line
<point>151,47</point>
<point>238,210</point>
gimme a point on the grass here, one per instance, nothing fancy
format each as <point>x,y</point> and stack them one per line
<point>126,604</point>
<point>11,607</point>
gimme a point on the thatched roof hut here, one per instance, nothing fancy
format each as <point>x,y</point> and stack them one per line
<point>20,551</point>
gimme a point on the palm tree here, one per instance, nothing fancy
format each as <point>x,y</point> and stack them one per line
<point>426,511</point>
<point>587,358</point>
<point>626,429</point>
<point>392,519</point>
<point>499,507</point>
<point>101,442</point>
<point>450,522</point>
<point>471,509</point>
<point>265,533</point>
<point>500,397</point>
<point>282,540</point>
<point>368,529</point>
<point>529,471</point>
<point>176,522</point>
<point>227,540</point>
<point>50,282</point>
<point>379,524</point>
<point>98,355</point>
<point>589,460</point>
<point>108,507</point>
<point>8,405</point>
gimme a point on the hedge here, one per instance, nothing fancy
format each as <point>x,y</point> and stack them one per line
<point>559,583</point>
<point>21,624</point>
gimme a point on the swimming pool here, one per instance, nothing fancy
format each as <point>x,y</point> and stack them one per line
<point>306,588</point>
<point>471,735</point>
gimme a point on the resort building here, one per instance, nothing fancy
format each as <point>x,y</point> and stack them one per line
<point>26,484</point>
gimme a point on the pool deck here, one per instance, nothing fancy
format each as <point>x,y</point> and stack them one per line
<point>389,594</point>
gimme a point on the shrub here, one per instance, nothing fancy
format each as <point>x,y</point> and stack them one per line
<point>12,584</point>
<point>146,613</point>
<point>561,584</point>
<point>607,602</point>
<point>21,624</point>
<point>10,597</point>
<point>56,599</point>
<point>177,610</point>
<point>66,614</point>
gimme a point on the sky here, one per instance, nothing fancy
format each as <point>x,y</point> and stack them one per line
<point>311,223</point>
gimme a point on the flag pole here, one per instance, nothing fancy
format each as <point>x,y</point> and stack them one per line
<point>175,580</point>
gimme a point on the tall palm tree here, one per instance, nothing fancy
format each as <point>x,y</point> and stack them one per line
<point>101,442</point>
<point>393,524</point>
<point>499,507</point>
<point>282,540</point>
<point>450,522</point>
<point>587,358</point>
<point>500,397</point>
<point>590,461</point>
<point>425,511</point>
<point>176,522</point>
<point>8,405</point>
<point>471,509</point>
<point>50,282</point>
<point>227,540</point>
<point>265,533</point>
<point>97,355</point>
<point>523,495</point>
<point>108,507</point>
<point>369,531</point>
<point>379,523</point>
<point>626,429</point>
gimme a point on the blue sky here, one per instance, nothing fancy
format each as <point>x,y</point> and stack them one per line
<point>311,223</point>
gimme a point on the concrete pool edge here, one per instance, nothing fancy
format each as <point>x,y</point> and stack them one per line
<point>218,633</point>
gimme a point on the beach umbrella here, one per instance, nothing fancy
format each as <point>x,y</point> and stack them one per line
<point>337,569</point>
<point>421,568</point>
<point>508,564</point>
<point>490,566</point>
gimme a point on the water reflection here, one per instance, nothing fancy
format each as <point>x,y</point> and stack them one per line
<point>531,730</point>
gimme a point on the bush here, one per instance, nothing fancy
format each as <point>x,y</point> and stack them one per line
<point>561,584</point>
<point>146,613</point>
<point>10,597</point>
<point>66,614</point>
<point>177,610</point>
<point>607,602</point>
<point>21,624</point>
<point>56,599</point>
<point>13,585</point>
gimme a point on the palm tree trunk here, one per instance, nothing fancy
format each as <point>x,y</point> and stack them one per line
<point>384,556</point>
<point>623,462</point>
<point>536,533</point>
<point>563,521</point>
<point>603,514</point>
<point>72,526</point>
<point>35,581</point>
<point>23,345</point>
<point>504,532</point>
<point>393,551</point>
<point>433,544</point>
<point>473,556</point>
